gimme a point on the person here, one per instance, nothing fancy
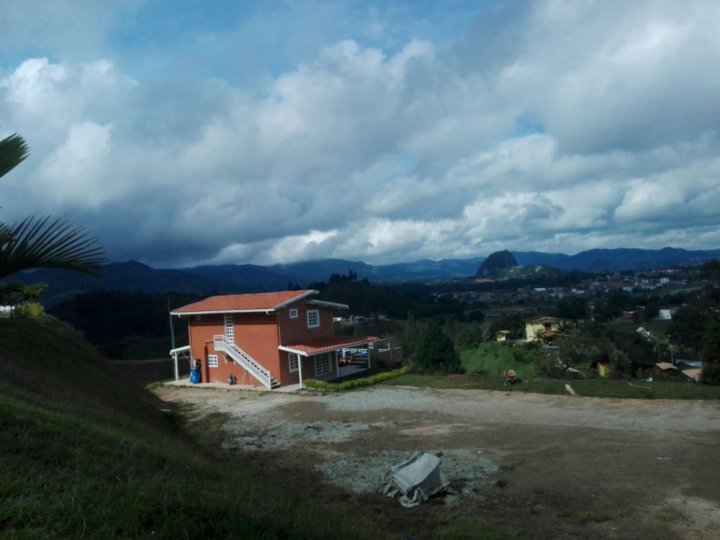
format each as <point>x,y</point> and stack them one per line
<point>510,377</point>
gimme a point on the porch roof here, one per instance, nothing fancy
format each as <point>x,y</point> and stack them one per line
<point>323,344</point>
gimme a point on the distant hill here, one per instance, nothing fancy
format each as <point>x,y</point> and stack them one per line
<point>500,260</point>
<point>618,260</point>
<point>218,279</point>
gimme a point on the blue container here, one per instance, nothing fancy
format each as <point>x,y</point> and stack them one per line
<point>195,376</point>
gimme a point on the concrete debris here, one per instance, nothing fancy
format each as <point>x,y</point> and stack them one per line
<point>415,480</point>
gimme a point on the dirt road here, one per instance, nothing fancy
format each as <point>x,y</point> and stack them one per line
<point>530,465</point>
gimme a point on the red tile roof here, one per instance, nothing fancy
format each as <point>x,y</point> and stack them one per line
<point>238,303</point>
<point>322,344</point>
<point>544,320</point>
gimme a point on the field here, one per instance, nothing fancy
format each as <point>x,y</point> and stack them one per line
<point>522,465</point>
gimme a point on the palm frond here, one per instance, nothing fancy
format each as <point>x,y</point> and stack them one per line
<point>13,151</point>
<point>46,243</point>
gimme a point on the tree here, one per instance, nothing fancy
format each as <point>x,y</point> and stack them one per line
<point>571,308</point>
<point>710,270</point>
<point>711,343</point>
<point>42,242</point>
<point>410,337</point>
<point>687,329</point>
<point>615,304</point>
<point>470,337</point>
<point>435,351</point>
<point>514,323</point>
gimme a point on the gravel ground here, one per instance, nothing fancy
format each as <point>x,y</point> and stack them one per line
<point>466,471</point>
<point>535,466</point>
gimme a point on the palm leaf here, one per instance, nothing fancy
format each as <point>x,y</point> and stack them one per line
<point>46,243</point>
<point>13,150</point>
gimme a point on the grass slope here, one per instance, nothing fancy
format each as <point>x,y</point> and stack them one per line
<point>494,359</point>
<point>612,388</point>
<point>88,453</point>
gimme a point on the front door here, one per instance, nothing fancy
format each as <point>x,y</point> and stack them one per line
<point>229,329</point>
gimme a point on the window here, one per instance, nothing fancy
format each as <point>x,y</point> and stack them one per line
<point>294,362</point>
<point>313,318</point>
<point>293,313</point>
<point>322,364</point>
<point>212,360</point>
<point>229,329</point>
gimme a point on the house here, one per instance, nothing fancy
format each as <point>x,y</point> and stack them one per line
<point>264,339</point>
<point>544,329</point>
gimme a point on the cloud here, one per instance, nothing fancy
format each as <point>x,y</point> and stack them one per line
<point>381,133</point>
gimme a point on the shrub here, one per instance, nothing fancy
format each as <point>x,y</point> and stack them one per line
<point>436,352</point>
<point>355,383</point>
<point>31,310</point>
<point>710,373</point>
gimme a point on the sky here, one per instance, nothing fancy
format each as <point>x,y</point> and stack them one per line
<point>186,132</point>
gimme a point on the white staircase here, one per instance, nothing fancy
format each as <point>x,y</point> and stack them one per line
<point>251,365</point>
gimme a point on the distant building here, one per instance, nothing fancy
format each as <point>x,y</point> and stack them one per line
<point>543,329</point>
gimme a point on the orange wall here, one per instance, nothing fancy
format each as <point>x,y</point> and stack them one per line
<point>296,330</point>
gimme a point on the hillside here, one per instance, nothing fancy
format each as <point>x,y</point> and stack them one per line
<point>87,453</point>
<point>618,260</point>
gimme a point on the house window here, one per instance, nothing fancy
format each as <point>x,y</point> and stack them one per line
<point>294,362</point>
<point>212,360</point>
<point>293,313</point>
<point>313,318</point>
<point>229,329</point>
<point>322,364</point>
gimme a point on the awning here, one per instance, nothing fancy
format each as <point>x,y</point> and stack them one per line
<point>323,344</point>
<point>665,366</point>
<point>693,374</point>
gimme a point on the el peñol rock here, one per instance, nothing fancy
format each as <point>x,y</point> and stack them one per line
<point>495,262</point>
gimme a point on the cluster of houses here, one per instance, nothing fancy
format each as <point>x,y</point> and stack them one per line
<point>588,288</point>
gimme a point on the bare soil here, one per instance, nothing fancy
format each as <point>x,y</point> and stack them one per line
<point>521,465</point>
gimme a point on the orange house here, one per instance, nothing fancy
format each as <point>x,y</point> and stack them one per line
<point>264,339</point>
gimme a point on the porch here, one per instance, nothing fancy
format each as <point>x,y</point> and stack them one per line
<point>347,355</point>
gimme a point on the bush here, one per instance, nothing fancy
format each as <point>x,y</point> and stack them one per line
<point>31,310</point>
<point>710,373</point>
<point>436,352</point>
<point>355,383</point>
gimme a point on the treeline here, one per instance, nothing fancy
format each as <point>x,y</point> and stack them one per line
<point>126,325</point>
<point>395,301</point>
<point>134,325</point>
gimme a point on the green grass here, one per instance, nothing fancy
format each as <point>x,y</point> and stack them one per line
<point>494,359</point>
<point>88,453</point>
<point>586,387</point>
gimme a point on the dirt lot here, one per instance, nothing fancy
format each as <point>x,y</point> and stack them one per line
<point>526,465</point>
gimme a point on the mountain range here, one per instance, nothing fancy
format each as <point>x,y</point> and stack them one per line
<point>135,276</point>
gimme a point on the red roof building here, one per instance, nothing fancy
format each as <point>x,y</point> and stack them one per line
<point>265,339</point>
